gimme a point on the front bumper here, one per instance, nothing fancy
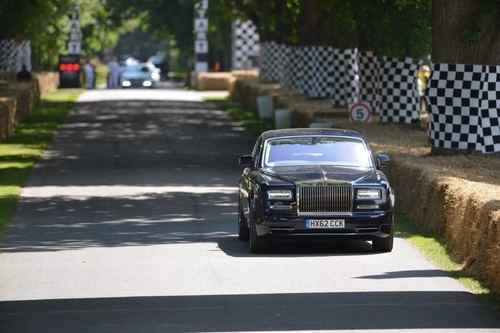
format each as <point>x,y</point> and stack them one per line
<point>363,227</point>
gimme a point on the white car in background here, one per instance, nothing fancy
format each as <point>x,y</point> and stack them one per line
<point>140,75</point>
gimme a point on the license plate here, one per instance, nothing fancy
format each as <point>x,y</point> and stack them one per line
<point>325,224</point>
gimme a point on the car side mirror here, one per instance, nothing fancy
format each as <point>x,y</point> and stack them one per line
<point>246,160</point>
<point>382,160</point>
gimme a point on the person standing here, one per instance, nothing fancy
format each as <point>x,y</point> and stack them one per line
<point>89,75</point>
<point>113,73</point>
<point>23,75</point>
<point>422,78</point>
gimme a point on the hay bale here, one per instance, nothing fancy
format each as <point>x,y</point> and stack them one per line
<point>240,74</point>
<point>7,116</point>
<point>47,81</point>
<point>492,268</point>
<point>213,81</point>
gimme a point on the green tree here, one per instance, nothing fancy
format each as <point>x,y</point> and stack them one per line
<point>463,31</point>
<point>98,30</point>
<point>41,22</point>
<point>46,25</point>
<point>392,27</point>
<point>170,20</point>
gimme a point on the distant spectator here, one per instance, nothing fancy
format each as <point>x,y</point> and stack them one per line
<point>423,77</point>
<point>24,75</point>
<point>89,75</point>
<point>113,73</point>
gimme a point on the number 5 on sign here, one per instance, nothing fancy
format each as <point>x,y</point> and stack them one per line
<point>361,112</point>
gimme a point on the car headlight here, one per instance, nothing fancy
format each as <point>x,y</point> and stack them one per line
<point>279,194</point>
<point>371,193</point>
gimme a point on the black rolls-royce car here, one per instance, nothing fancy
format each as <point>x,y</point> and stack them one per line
<point>314,183</point>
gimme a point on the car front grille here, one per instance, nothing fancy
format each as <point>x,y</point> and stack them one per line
<point>330,199</point>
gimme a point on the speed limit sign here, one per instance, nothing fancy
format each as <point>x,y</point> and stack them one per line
<point>361,112</point>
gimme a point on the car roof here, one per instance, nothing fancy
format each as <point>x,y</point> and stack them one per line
<point>138,65</point>
<point>289,132</point>
<point>156,57</point>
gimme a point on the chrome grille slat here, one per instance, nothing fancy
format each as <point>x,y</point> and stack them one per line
<point>330,199</point>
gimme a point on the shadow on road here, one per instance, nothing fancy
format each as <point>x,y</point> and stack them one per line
<point>256,313</point>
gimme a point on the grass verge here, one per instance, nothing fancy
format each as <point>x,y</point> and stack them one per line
<point>244,117</point>
<point>433,248</point>
<point>20,151</point>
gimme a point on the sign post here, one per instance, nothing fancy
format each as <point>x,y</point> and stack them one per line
<point>75,31</point>
<point>69,65</point>
<point>360,112</point>
<point>201,42</point>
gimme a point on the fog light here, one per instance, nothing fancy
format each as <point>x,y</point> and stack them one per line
<point>280,207</point>
<point>279,194</point>
<point>372,193</point>
<point>368,206</point>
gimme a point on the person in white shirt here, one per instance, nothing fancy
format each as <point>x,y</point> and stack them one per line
<point>114,73</point>
<point>89,75</point>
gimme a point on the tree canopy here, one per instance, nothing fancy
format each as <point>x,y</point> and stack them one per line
<point>463,31</point>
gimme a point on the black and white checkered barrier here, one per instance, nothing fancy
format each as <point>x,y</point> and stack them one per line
<point>464,107</point>
<point>351,76</point>
<point>338,78</point>
<point>246,46</point>
<point>290,69</point>
<point>398,94</point>
<point>344,77</point>
<point>390,86</point>
<point>7,59</point>
<point>316,63</point>
<point>14,55</point>
<point>270,54</point>
<point>282,55</point>
<point>368,78</point>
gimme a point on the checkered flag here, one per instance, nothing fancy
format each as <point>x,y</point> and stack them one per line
<point>398,93</point>
<point>245,43</point>
<point>464,107</point>
<point>368,78</point>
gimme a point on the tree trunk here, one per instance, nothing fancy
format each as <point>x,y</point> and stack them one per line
<point>466,32</point>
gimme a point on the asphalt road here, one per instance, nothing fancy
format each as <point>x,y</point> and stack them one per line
<point>128,224</point>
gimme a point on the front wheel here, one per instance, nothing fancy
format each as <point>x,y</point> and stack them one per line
<point>243,232</point>
<point>257,244</point>
<point>384,244</point>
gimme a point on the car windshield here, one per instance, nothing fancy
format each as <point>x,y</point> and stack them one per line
<point>335,151</point>
<point>137,68</point>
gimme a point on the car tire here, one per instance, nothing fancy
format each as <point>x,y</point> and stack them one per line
<point>243,232</point>
<point>257,244</point>
<point>384,244</point>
